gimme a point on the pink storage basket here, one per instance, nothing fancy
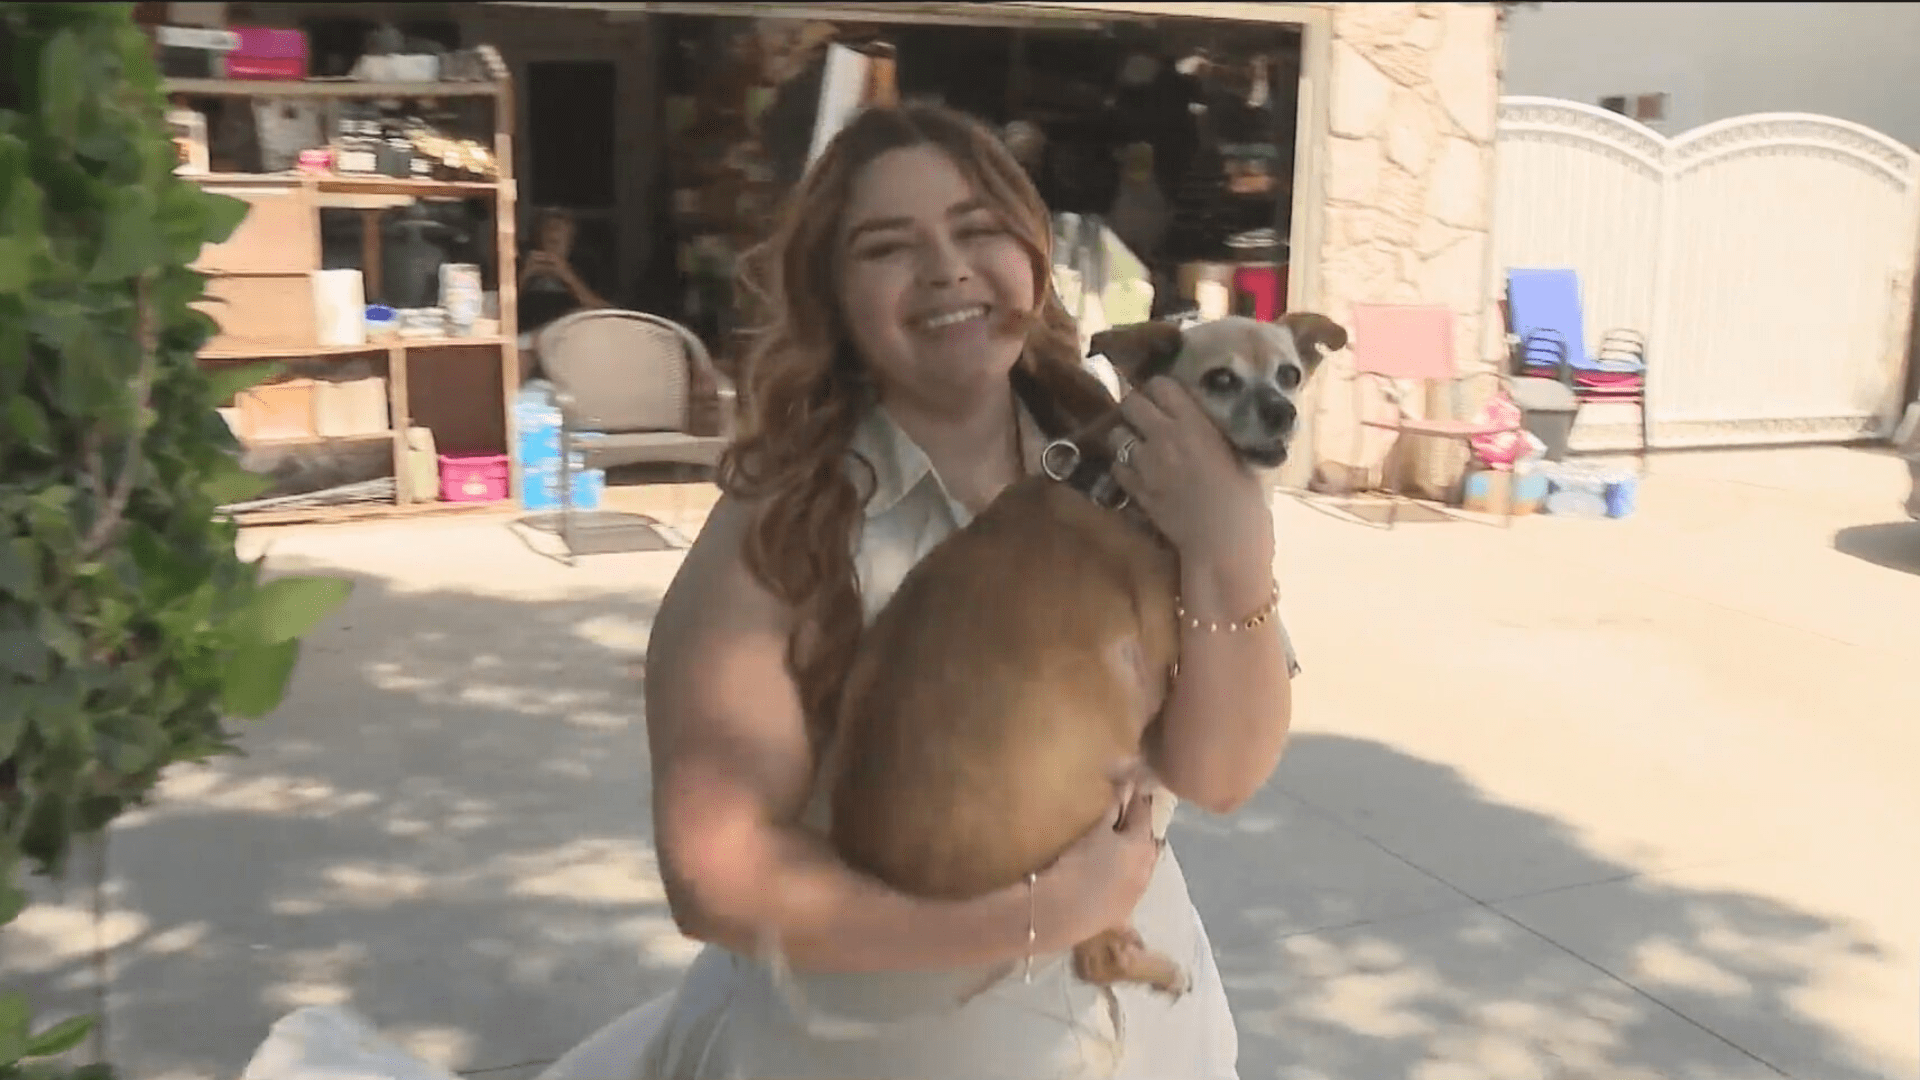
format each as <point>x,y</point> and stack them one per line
<point>473,477</point>
<point>268,53</point>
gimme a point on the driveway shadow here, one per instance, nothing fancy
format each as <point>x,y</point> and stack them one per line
<point>1346,956</point>
<point>447,827</point>
<point>1894,545</point>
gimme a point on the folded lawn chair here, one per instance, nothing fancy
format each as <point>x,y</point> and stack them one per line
<point>1549,331</point>
<point>1415,343</point>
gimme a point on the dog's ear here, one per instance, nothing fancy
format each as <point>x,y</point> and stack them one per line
<point>1139,351</point>
<point>1312,332</point>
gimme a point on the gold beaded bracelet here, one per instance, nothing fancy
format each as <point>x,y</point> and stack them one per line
<point>1254,621</point>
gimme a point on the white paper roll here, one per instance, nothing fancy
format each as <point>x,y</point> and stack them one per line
<point>339,307</point>
<point>1214,299</point>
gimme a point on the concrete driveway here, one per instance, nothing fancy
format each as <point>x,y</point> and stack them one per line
<point>1622,800</point>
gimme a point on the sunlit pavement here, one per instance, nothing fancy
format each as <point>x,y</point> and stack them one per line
<point>1618,800</point>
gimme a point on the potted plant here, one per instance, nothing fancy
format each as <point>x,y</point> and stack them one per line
<point>131,632</point>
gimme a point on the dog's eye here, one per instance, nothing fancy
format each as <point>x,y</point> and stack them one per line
<point>1221,381</point>
<point>1287,377</point>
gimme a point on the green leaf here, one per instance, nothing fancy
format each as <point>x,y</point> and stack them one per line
<point>60,84</point>
<point>256,678</point>
<point>131,242</point>
<point>47,838</point>
<point>16,263</point>
<point>290,607</point>
<point>53,499</point>
<point>19,577</point>
<point>13,719</point>
<point>13,351</point>
<point>229,483</point>
<point>30,423</point>
<point>22,653</point>
<point>61,637</point>
<point>59,714</point>
<point>182,217</point>
<point>60,1038</point>
<point>224,213</point>
<point>14,1021</point>
<point>225,381</point>
<point>13,901</point>
<point>164,575</point>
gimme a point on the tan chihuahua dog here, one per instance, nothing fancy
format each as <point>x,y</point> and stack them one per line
<point>1000,690</point>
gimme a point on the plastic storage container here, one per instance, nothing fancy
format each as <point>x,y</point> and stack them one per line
<point>268,53</point>
<point>1576,490</point>
<point>473,477</point>
<point>1547,410</point>
<point>1623,493</point>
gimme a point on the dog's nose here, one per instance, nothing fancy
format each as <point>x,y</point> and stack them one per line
<point>1275,411</point>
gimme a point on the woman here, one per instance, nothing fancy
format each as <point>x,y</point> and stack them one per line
<point>909,325</point>
<point>549,285</point>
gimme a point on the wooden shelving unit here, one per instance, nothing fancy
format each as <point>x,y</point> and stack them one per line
<point>334,88</point>
<point>362,185</point>
<point>295,351</point>
<point>371,195</point>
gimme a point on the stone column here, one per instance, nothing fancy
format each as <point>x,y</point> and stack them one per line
<point>1409,183</point>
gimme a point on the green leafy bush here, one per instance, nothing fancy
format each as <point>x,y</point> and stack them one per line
<point>130,629</point>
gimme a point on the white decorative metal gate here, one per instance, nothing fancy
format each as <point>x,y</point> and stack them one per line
<point>1769,259</point>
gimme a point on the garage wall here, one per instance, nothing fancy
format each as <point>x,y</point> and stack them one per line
<point>1412,99</point>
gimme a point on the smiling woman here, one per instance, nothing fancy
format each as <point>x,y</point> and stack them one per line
<point>937,294</point>
<point>909,324</point>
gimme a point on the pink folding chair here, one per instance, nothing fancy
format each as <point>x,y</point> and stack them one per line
<point>1413,343</point>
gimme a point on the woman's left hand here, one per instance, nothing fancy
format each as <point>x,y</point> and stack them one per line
<point>1183,473</point>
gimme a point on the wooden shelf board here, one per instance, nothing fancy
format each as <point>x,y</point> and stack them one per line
<point>322,515</point>
<point>354,185</point>
<point>293,441</point>
<point>302,352</point>
<point>328,88</point>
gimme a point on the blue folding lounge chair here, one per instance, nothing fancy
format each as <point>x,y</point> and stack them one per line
<point>1549,331</point>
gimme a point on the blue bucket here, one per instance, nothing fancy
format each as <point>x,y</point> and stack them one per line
<point>1623,495</point>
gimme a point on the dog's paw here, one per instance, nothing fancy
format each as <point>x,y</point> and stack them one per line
<point>1122,956</point>
<point>1175,983</point>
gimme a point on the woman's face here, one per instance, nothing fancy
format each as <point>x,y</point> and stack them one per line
<point>556,235</point>
<point>932,285</point>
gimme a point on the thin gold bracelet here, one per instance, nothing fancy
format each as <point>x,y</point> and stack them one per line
<point>1252,622</point>
<point>1033,935</point>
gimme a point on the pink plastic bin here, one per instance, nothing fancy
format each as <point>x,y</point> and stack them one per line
<point>268,53</point>
<point>473,477</point>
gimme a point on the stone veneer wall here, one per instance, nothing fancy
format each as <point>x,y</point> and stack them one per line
<point>1413,98</point>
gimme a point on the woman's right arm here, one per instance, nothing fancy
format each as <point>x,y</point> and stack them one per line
<point>732,771</point>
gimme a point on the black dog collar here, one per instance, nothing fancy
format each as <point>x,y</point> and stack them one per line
<point>1063,460</point>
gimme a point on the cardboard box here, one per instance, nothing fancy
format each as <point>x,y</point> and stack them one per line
<point>350,406</point>
<point>276,411</point>
<point>280,234</point>
<point>189,131</point>
<point>261,314</point>
<point>1487,491</point>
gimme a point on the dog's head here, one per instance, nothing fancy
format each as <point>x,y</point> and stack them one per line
<point>1246,374</point>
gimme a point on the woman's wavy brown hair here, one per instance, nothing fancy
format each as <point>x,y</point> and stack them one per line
<point>805,389</point>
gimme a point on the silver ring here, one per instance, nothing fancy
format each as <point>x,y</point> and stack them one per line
<point>1125,454</point>
<point>1051,463</point>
